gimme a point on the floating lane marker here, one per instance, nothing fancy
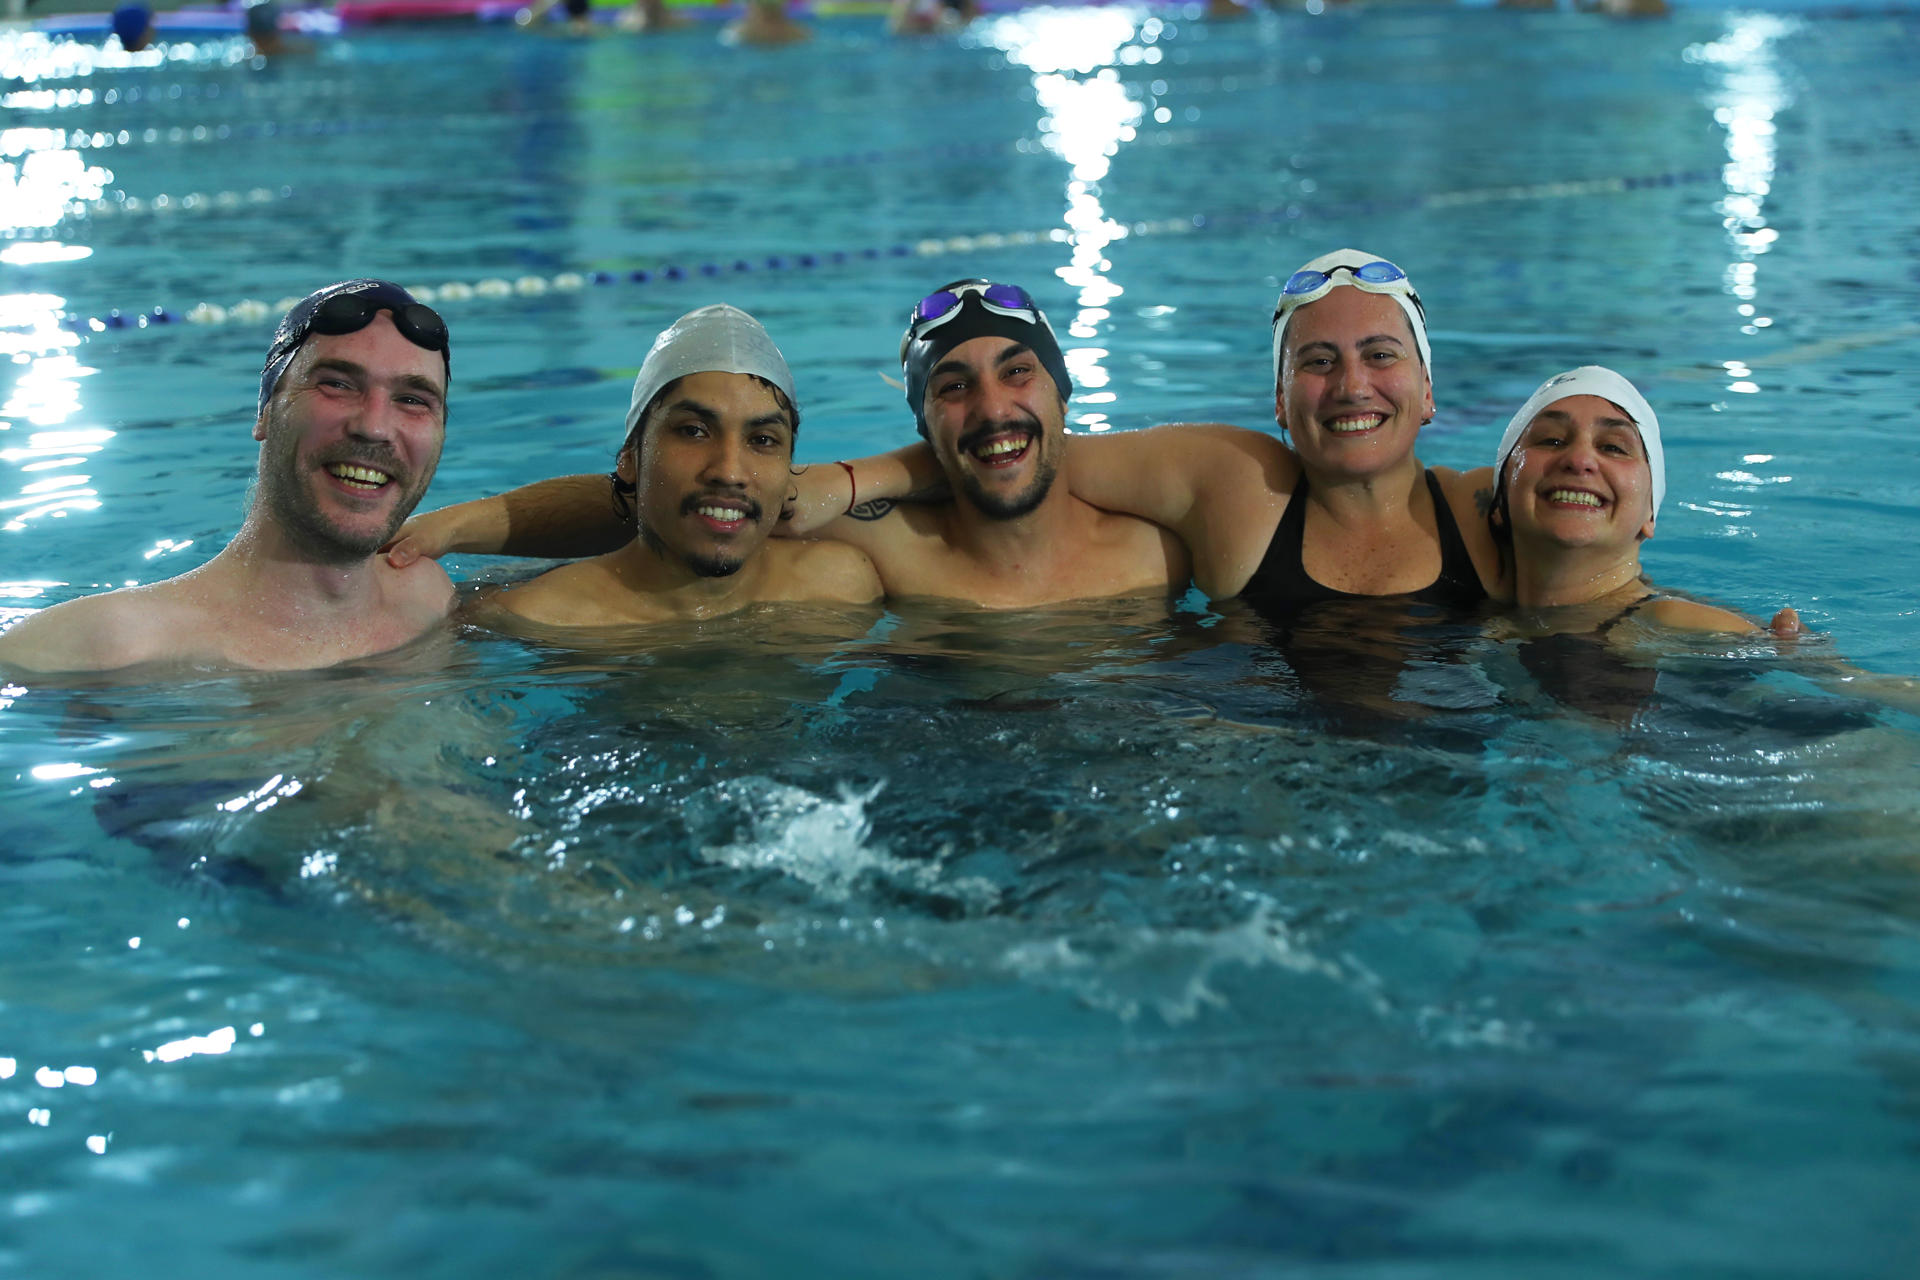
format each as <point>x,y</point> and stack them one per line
<point>254,311</point>
<point>1806,353</point>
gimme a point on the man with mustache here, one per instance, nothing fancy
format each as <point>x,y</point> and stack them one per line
<point>352,416</point>
<point>698,484</point>
<point>988,387</point>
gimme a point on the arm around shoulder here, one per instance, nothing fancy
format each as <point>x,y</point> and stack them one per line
<point>824,491</point>
<point>1169,473</point>
<point>1691,615</point>
<point>564,516</point>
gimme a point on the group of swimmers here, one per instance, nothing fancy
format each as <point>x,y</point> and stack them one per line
<point>998,506</point>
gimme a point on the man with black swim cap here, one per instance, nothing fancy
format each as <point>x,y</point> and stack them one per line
<point>351,419</point>
<point>988,386</point>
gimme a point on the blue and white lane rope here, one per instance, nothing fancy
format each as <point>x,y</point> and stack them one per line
<point>255,311</point>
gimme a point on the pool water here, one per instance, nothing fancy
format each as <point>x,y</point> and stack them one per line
<point>1105,940</point>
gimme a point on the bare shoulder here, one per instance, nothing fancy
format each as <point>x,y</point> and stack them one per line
<point>827,570</point>
<point>1691,615</point>
<point>104,632</point>
<point>572,595</point>
<point>1158,553</point>
<point>422,589</point>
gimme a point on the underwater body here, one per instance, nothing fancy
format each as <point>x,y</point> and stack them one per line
<point>1110,939</point>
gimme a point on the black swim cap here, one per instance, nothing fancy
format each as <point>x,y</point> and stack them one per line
<point>418,324</point>
<point>968,309</point>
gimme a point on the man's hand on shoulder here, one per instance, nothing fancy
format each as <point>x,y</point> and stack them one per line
<point>427,536</point>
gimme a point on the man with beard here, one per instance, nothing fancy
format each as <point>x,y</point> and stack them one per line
<point>700,480</point>
<point>352,416</point>
<point>988,387</point>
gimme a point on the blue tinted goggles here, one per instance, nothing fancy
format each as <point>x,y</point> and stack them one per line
<point>1378,276</point>
<point>943,305</point>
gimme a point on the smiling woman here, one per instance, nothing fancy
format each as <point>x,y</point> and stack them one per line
<point>1581,473</point>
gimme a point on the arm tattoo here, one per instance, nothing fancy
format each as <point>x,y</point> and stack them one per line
<point>872,509</point>
<point>1483,499</point>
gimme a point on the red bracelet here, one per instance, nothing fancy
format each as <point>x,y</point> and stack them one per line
<point>853,487</point>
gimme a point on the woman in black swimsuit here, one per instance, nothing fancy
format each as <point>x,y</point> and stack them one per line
<point>1580,477</point>
<point>1343,510</point>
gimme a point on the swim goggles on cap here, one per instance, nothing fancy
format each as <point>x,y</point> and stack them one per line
<point>1378,276</point>
<point>943,305</point>
<point>351,312</point>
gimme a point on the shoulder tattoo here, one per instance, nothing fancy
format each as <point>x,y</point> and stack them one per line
<point>872,509</point>
<point>1483,501</point>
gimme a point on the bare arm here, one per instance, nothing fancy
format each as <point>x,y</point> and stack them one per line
<point>1220,488</point>
<point>1900,692</point>
<point>562,517</point>
<point>825,491</point>
<point>1691,615</point>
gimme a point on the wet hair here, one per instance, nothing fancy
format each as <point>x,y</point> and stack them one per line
<point>623,491</point>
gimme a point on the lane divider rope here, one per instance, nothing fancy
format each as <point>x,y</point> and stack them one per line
<point>253,311</point>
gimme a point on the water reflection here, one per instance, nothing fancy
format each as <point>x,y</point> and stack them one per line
<point>1088,114</point>
<point>41,179</point>
<point>46,393</point>
<point>1751,93</point>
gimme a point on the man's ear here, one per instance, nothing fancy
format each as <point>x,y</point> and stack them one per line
<point>628,465</point>
<point>260,426</point>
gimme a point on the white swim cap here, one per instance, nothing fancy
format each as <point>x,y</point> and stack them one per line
<point>716,339</point>
<point>1367,272</point>
<point>1591,380</point>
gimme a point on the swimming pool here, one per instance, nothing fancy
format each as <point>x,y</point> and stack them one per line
<point>1092,942</point>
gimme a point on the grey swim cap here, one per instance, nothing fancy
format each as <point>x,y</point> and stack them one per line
<point>716,339</point>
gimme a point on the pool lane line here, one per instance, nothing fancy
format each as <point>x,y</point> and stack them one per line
<point>121,205</point>
<point>251,310</point>
<point>1805,353</point>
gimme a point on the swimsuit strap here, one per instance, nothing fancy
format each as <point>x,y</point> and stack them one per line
<point>1281,582</point>
<point>1459,581</point>
<point>1626,613</point>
